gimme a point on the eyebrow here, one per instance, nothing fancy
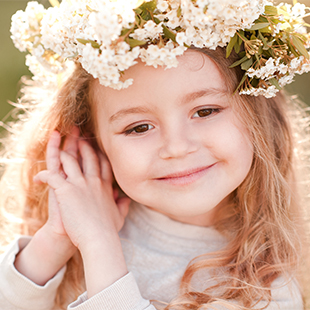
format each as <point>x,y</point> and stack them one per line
<point>185,99</point>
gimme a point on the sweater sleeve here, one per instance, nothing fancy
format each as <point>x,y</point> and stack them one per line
<point>123,294</point>
<point>18,292</point>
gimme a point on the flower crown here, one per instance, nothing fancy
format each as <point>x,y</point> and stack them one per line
<point>108,36</point>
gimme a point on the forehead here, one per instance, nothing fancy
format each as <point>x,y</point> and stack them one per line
<point>195,72</point>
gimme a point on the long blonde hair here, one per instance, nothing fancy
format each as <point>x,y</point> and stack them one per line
<point>262,223</point>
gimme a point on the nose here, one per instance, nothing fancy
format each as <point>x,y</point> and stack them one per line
<point>177,143</point>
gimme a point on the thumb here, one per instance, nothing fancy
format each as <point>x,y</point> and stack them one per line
<point>53,179</point>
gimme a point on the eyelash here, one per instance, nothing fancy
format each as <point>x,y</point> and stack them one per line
<point>133,129</point>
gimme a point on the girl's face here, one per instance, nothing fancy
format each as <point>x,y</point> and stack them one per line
<point>173,139</point>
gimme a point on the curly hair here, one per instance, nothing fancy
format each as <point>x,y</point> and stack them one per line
<point>263,222</point>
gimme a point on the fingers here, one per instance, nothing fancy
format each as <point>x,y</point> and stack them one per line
<point>88,163</point>
<point>71,142</point>
<point>52,152</point>
<point>53,179</point>
<point>70,166</point>
<point>90,160</point>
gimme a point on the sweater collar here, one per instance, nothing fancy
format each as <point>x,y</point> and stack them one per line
<point>162,223</point>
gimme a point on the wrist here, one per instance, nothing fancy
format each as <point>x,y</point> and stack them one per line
<point>43,257</point>
<point>97,236</point>
<point>60,245</point>
<point>104,262</point>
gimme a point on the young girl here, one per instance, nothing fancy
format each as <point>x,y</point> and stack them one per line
<point>176,192</point>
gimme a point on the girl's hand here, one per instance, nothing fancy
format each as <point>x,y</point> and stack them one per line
<point>54,223</point>
<point>87,209</point>
<point>50,248</point>
<point>82,202</point>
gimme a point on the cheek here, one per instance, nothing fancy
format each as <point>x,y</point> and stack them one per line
<point>129,164</point>
<point>241,152</point>
<point>233,146</point>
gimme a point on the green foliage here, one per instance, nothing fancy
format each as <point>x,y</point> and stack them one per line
<point>272,35</point>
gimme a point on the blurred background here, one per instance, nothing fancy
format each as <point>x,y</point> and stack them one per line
<point>12,62</point>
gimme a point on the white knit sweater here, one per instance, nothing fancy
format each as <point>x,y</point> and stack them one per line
<point>157,250</point>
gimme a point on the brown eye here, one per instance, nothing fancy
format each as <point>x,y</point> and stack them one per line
<point>204,112</point>
<point>141,128</point>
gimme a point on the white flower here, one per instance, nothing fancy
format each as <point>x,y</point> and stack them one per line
<point>162,5</point>
<point>269,92</point>
<point>283,69</point>
<point>26,25</point>
<point>229,13</point>
<point>306,67</point>
<point>153,29</point>
<point>139,34</point>
<point>181,38</point>
<point>174,20</point>
<point>299,10</point>
<point>89,31</point>
<point>295,62</point>
<point>286,79</point>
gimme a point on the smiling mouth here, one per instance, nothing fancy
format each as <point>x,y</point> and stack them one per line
<point>185,177</point>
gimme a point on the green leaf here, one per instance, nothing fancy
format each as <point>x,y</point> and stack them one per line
<point>54,3</point>
<point>266,30</point>
<point>258,26</point>
<point>133,42</point>
<point>238,62</point>
<point>283,12</point>
<point>179,12</point>
<point>156,20</point>
<point>94,44</point>
<point>241,33</point>
<point>263,39</point>
<point>138,11</point>
<point>271,10</point>
<point>299,45</point>
<point>247,64</point>
<point>138,20</point>
<point>274,82</point>
<point>83,41</point>
<point>150,6</point>
<point>241,82</point>
<point>262,19</point>
<point>139,2</point>
<point>255,82</point>
<point>260,51</point>
<point>253,37</point>
<point>237,47</point>
<point>231,44</point>
<point>169,34</point>
<point>146,15</point>
<point>126,31</point>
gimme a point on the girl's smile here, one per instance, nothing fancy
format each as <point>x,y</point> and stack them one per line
<point>185,177</point>
<point>173,139</point>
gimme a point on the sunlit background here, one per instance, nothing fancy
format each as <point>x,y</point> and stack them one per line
<point>12,61</point>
